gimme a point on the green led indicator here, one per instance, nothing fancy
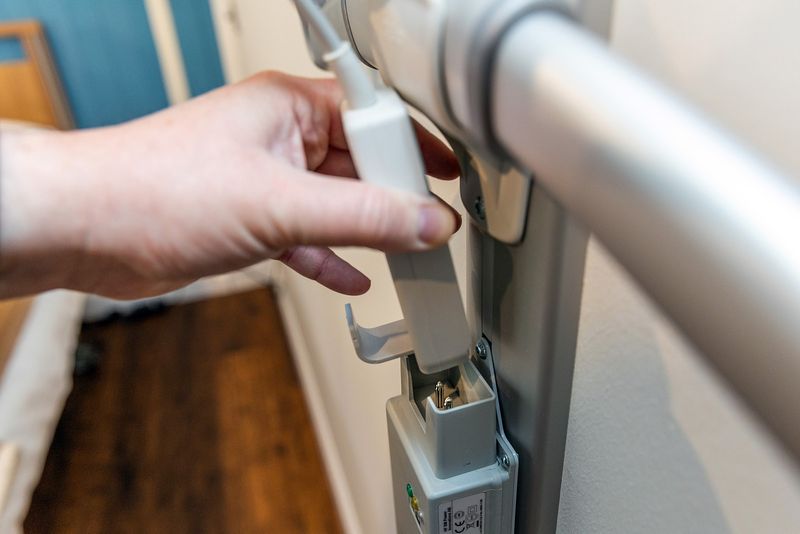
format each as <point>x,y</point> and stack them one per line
<point>410,491</point>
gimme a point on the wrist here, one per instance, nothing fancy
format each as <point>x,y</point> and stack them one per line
<point>41,223</point>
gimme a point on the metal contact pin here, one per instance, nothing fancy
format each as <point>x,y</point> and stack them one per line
<point>448,402</point>
<point>438,392</point>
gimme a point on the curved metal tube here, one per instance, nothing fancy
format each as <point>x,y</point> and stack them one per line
<point>710,231</point>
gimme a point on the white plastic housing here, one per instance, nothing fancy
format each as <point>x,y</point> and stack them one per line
<point>385,152</point>
<point>406,39</point>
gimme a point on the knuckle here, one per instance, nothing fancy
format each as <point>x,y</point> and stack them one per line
<point>381,218</point>
<point>267,77</point>
<point>322,265</point>
<point>279,227</point>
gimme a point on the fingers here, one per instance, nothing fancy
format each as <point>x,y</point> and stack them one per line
<point>452,210</point>
<point>330,211</point>
<point>326,95</point>
<point>440,161</point>
<point>338,163</point>
<point>324,266</point>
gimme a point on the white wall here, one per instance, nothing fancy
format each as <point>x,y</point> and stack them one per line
<point>656,443</point>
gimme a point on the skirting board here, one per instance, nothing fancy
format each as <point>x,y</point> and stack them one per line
<point>9,459</point>
<point>334,468</point>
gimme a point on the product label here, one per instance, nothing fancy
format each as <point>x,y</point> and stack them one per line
<point>462,516</point>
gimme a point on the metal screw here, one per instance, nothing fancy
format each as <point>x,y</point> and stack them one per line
<point>480,209</point>
<point>482,350</point>
<point>505,461</point>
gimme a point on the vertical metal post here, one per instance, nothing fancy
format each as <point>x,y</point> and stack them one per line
<point>526,299</point>
<point>526,302</point>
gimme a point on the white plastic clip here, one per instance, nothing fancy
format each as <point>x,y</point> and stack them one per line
<point>381,343</point>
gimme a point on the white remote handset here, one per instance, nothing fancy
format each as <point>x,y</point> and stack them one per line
<point>386,153</point>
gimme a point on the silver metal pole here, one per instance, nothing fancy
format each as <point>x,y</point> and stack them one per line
<point>711,232</point>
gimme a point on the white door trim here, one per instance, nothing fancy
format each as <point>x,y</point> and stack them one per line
<point>168,48</point>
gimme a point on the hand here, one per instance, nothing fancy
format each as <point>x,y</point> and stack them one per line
<point>251,171</point>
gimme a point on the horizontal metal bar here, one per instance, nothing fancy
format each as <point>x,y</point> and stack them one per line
<point>710,231</point>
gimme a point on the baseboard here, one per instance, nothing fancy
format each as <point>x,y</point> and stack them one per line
<point>334,467</point>
<point>9,459</point>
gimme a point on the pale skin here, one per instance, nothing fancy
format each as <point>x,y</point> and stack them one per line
<point>252,171</point>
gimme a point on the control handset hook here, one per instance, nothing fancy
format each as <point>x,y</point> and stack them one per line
<point>385,152</point>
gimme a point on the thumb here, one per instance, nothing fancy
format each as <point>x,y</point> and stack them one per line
<point>332,211</point>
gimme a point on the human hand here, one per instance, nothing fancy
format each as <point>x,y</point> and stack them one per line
<point>252,171</point>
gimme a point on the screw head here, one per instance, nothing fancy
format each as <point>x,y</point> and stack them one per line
<point>481,350</point>
<point>480,209</point>
<point>505,461</point>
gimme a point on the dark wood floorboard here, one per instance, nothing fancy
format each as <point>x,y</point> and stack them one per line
<point>193,422</point>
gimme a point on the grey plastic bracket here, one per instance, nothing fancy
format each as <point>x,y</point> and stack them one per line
<point>507,456</point>
<point>381,343</point>
<point>496,198</point>
<point>484,362</point>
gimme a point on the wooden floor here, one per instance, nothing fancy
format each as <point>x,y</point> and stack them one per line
<point>193,422</point>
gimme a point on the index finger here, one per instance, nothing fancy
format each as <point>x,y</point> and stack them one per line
<point>439,160</point>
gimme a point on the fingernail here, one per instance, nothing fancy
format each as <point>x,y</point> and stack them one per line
<point>435,224</point>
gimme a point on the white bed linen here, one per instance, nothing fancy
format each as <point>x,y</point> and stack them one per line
<point>33,389</point>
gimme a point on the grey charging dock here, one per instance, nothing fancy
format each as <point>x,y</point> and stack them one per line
<point>452,471</point>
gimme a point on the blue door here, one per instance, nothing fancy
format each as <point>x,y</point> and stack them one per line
<point>106,57</point>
